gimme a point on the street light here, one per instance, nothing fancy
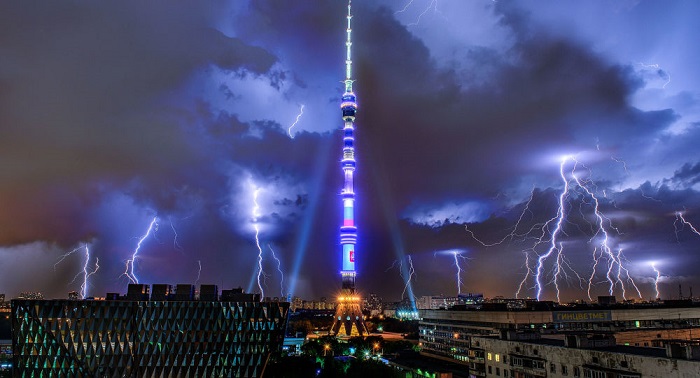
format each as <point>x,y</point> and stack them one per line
<point>376,348</point>
<point>326,348</point>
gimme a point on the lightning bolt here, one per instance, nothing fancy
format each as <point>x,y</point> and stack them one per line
<point>130,263</point>
<point>458,256</point>
<point>432,5</point>
<point>256,214</point>
<point>199,272</point>
<point>514,233</point>
<point>553,249</point>
<point>548,235</point>
<point>85,273</point>
<point>529,272</point>
<point>393,264</point>
<point>618,160</point>
<point>663,74</point>
<point>279,269</point>
<point>301,112</point>
<point>411,273</point>
<point>615,260</point>
<point>176,245</point>
<point>405,7</point>
<point>681,219</point>
<point>656,281</point>
<point>63,257</point>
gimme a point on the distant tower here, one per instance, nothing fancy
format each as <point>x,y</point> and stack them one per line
<point>348,314</point>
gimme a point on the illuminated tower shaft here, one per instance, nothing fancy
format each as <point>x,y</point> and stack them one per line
<point>349,311</point>
<point>348,231</point>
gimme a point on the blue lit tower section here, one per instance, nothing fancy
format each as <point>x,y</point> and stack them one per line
<point>348,317</point>
<point>348,231</point>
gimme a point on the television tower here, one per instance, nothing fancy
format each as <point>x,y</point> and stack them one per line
<point>348,314</point>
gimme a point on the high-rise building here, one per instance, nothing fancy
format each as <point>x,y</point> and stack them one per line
<point>123,337</point>
<point>348,316</point>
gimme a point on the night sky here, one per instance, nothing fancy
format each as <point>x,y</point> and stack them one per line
<point>114,113</point>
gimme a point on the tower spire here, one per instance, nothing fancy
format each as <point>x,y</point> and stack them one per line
<point>348,48</point>
<point>348,314</point>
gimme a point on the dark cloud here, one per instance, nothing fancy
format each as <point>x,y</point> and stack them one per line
<point>687,176</point>
<point>113,114</point>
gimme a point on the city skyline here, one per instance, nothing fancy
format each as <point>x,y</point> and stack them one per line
<point>180,143</point>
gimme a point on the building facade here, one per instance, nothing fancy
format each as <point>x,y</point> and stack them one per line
<point>145,338</point>
<point>652,340</point>
<point>581,358</point>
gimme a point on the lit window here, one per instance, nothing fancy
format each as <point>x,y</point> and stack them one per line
<point>489,356</point>
<point>498,357</point>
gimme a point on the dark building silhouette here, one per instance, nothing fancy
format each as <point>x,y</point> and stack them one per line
<point>127,337</point>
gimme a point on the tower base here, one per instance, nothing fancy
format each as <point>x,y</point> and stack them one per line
<point>349,320</point>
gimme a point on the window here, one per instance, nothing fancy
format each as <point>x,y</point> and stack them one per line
<point>498,372</point>
<point>623,364</point>
<point>534,351</point>
<point>505,373</point>
<point>593,374</point>
<point>489,356</point>
<point>577,372</point>
<point>489,368</point>
<point>564,370</point>
<point>505,359</point>
<point>552,368</point>
<point>498,357</point>
<point>595,360</point>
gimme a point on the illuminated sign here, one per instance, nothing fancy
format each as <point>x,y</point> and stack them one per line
<point>352,256</point>
<point>581,316</point>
